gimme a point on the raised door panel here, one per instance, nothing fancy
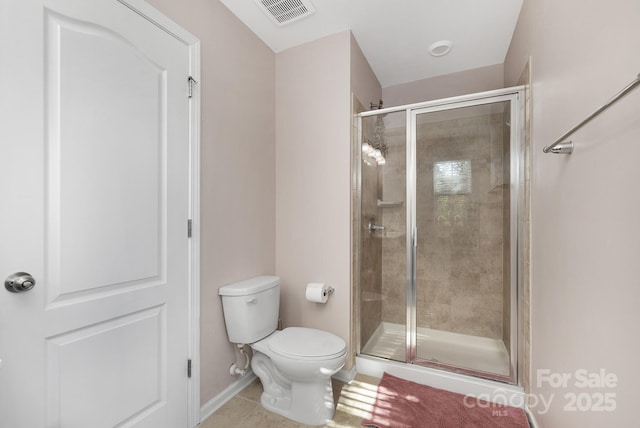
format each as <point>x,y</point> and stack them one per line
<point>110,374</point>
<point>105,187</point>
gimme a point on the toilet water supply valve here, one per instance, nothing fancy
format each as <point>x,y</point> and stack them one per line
<point>235,367</point>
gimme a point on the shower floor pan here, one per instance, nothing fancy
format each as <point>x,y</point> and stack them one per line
<point>460,350</point>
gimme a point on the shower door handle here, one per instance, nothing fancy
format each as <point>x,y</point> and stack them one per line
<point>375,227</point>
<point>414,237</point>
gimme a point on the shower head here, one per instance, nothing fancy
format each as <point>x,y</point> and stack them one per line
<point>378,106</point>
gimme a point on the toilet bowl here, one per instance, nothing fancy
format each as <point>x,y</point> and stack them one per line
<point>295,365</point>
<point>296,373</point>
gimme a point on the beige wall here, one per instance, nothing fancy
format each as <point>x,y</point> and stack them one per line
<point>450,85</point>
<point>313,176</point>
<point>585,229</point>
<point>238,175</point>
<point>366,311</point>
<point>312,181</point>
<point>364,83</point>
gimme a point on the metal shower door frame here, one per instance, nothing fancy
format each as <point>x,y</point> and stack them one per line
<point>514,96</point>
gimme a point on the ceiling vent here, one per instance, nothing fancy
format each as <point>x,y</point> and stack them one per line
<point>284,12</point>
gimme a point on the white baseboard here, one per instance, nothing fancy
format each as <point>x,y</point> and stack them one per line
<point>346,376</point>
<point>227,394</point>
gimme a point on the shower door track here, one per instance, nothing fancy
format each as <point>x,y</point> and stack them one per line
<point>460,370</point>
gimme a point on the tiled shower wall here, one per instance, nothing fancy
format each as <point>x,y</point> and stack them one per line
<point>460,252</point>
<point>394,219</point>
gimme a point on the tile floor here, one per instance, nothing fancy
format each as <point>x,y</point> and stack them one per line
<point>353,401</point>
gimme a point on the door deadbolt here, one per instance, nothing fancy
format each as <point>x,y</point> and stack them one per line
<point>19,282</point>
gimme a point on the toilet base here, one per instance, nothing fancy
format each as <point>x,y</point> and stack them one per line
<point>310,403</point>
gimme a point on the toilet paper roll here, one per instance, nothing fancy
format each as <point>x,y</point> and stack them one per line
<point>317,292</point>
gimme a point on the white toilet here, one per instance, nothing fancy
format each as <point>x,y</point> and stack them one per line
<point>295,365</point>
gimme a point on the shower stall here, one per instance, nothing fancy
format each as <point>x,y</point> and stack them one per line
<point>436,221</point>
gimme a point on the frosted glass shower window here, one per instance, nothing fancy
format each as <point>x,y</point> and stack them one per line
<point>452,177</point>
<point>451,185</point>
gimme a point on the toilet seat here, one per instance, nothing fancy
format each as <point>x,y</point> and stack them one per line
<point>307,343</point>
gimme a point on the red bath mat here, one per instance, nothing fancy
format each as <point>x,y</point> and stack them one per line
<point>401,403</point>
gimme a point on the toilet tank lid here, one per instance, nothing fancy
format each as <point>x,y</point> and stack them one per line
<point>249,286</point>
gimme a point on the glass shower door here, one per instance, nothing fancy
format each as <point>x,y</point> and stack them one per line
<point>464,249</point>
<point>436,217</point>
<point>383,238</point>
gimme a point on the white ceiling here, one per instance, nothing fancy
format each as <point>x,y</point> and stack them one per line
<point>395,34</point>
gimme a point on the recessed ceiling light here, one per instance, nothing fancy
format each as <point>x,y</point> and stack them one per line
<point>441,48</point>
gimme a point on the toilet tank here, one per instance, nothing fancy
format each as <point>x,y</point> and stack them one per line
<point>251,308</point>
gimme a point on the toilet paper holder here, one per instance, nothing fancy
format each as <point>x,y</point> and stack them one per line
<point>318,292</point>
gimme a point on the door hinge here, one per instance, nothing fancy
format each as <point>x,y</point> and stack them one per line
<point>189,228</point>
<point>192,82</point>
<point>188,368</point>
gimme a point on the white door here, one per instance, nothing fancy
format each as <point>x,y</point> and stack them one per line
<point>94,203</point>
